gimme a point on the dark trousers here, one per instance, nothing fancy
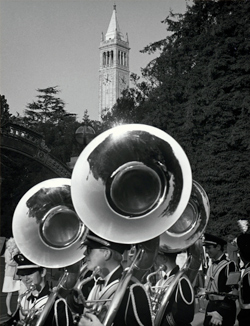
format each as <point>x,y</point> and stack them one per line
<point>244,317</point>
<point>227,309</point>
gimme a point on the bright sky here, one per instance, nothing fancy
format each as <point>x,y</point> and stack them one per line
<point>56,42</point>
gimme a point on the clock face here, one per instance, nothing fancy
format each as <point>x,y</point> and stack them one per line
<point>122,81</point>
<point>107,79</point>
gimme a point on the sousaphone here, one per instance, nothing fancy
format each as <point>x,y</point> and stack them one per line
<point>46,227</point>
<point>186,234</point>
<point>131,183</point>
<point>191,224</point>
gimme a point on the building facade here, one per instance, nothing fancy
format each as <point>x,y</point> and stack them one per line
<point>114,65</point>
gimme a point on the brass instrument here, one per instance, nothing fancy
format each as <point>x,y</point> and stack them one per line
<point>36,316</point>
<point>130,184</point>
<point>184,234</point>
<point>51,235</point>
<point>191,224</point>
<point>25,312</point>
<point>51,232</point>
<point>97,307</point>
<point>140,262</point>
<point>79,284</point>
<point>135,179</point>
<point>82,280</point>
<point>52,297</point>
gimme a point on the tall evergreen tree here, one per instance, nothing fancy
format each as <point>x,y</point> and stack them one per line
<point>5,113</point>
<point>48,117</point>
<point>48,107</point>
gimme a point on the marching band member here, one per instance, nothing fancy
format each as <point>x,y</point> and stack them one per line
<point>243,317</point>
<point>33,276</point>
<point>180,310</point>
<point>221,309</point>
<point>33,301</point>
<point>135,306</point>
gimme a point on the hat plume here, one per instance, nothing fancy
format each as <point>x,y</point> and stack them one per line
<point>243,225</point>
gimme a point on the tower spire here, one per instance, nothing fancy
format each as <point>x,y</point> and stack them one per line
<point>114,28</point>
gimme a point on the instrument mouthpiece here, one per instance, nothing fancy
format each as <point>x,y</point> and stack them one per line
<point>32,287</point>
<point>162,268</point>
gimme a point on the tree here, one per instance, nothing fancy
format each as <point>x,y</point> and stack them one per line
<point>5,114</point>
<point>48,108</point>
<point>48,117</point>
<point>127,108</point>
<point>197,90</point>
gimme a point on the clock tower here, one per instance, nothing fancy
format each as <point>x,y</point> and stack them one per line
<point>114,65</point>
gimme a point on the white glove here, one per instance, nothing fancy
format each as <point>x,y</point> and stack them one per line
<point>201,292</point>
<point>216,318</point>
<point>89,320</point>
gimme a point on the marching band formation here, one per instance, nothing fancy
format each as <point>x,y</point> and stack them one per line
<point>115,231</point>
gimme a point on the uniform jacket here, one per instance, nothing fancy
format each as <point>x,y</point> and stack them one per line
<point>244,297</point>
<point>59,314</point>
<point>28,303</point>
<point>135,307</point>
<point>217,276</point>
<point>180,310</point>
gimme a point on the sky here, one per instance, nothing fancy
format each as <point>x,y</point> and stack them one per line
<point>47,43</point>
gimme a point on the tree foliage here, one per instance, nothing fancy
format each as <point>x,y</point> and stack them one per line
<point>48,117</point>
<point>4,107</point>
<point>48,107</point>
<point>197,90</point>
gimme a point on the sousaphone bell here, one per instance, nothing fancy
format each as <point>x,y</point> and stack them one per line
<point>131,183</point>
<point>46,227</point>
<point>191,224</point>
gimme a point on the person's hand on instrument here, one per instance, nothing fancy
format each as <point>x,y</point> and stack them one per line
<point>216,318</point>
<point>89,319</point>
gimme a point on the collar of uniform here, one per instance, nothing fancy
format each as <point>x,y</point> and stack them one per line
<point>31,298</point>
<point>45,291</point>
<point>174,271</point>
<point>217,261</point>
<point>165,275</point>
<point>114,275</point>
